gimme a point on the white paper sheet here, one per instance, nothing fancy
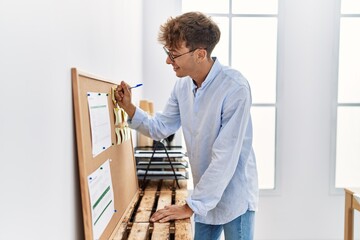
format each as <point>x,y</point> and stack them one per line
<point>101,198</point>
<point>99,122</point>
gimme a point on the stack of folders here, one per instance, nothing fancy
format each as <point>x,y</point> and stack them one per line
<point>161,164</point>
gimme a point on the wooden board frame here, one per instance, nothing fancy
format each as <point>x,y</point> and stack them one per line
<point>122,164</point>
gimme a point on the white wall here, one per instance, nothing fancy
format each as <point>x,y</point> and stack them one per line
<point>304,206</point>
<point>40,40</point>
<point>158,77</point>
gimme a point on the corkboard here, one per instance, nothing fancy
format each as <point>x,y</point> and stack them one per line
<point>122,162</point>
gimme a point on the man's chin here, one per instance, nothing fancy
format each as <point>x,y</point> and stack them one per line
<point>179,75</point>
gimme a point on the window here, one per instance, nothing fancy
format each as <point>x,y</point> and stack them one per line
<point>348,106</point>
<point>249,43</point>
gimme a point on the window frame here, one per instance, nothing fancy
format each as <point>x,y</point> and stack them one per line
<point>335,101</point>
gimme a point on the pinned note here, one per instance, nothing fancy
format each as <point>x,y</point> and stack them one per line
<point>99,122</point>
<point>101,198</point>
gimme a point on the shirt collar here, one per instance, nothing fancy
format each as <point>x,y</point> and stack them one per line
<point>214,71</point>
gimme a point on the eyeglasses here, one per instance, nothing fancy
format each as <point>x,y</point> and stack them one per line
<point>173,57</point>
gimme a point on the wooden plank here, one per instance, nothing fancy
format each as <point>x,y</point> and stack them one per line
<point>180,197</point>
<point>183,184</point>
<point>350,204</point>
<point>168,185</point>
<point>143,213</point>
<point>139,231</point>
<point>161,231</point>
<point>141,228</point>
<point>120,232</point>
<point>121,227</point>
<point>349,215</point>
<point>183,229</point>
<point>151,185</point>
<point>164,200</point>
<point>130,210</point>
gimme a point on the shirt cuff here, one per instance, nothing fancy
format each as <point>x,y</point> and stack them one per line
<point>196,207</point>
<point>137,119</point>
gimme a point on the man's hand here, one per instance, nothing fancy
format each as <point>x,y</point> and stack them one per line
<point>123,98</point>
<point>172,212</point>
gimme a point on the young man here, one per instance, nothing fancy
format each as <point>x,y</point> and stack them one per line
<point>212,104</point>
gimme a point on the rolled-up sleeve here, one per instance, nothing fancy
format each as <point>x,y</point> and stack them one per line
<point>159,126</point>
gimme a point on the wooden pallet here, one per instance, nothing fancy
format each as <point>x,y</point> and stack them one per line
<point>157,194</point>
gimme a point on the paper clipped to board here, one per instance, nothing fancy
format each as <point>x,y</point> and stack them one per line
<point>101,198</point>
<point>99,122</point>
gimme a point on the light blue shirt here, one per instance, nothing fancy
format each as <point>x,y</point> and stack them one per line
<point>217,129</point>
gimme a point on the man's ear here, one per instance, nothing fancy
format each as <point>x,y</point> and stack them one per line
<point>201,54</point>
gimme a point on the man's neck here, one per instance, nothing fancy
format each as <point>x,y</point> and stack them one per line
<point>202,72</point>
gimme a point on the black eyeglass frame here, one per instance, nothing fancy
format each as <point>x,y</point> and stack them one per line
<point>172,57</point>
